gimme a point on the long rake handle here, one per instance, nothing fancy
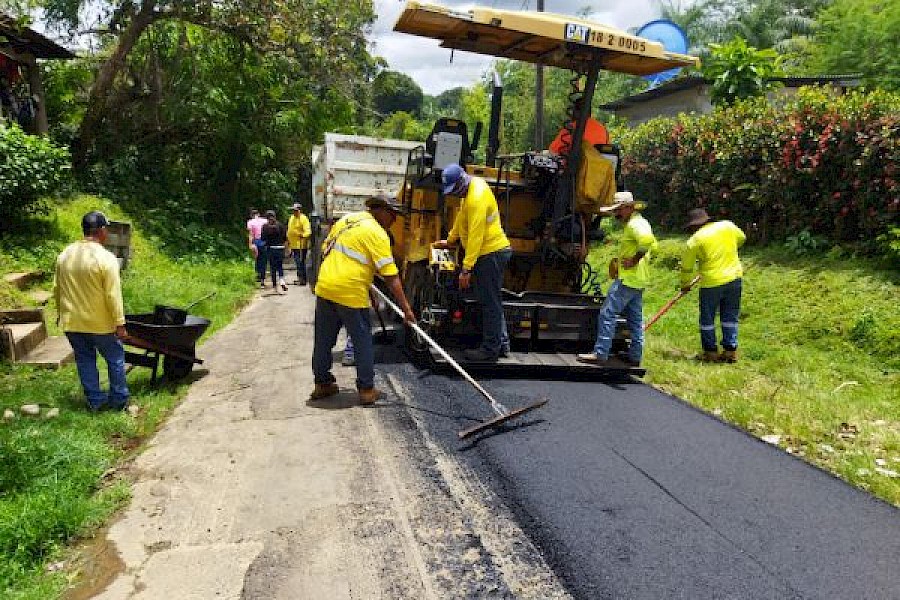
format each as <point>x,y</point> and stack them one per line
<point>671,303</point>
<point>498,408</point>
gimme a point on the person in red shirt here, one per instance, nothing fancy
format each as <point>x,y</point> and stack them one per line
<point>594,133</point>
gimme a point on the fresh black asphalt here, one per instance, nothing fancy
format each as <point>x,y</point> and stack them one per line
<point>631,493</point>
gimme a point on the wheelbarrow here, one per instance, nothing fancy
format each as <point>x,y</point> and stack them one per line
<point>175,344</point>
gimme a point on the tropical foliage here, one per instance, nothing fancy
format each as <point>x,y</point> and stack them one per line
<point>738,71</point>
<point>31,168</point>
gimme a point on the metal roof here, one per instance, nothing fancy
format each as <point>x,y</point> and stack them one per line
<point>23,40</point>
<point>539,37</point>
<point>694,81</point>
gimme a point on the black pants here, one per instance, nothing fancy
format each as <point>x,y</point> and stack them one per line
<point>276,263</point>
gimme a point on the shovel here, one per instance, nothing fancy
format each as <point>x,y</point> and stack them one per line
<point>503,413</point>
<point>169,315</point>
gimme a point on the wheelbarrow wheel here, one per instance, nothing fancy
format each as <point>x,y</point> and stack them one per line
<point>175,368</point>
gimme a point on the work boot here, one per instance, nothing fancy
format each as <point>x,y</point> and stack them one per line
<point>324,390</point>
<point>479,355</point>
<point>728,356</point>
<point>369,396</point>
<point>593,359</point>
<point>709,356</point>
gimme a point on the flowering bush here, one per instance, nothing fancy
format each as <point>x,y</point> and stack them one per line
<point>815,162</point>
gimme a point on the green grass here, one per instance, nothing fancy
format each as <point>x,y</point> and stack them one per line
<point>52,484</point>
<point>819,357</point>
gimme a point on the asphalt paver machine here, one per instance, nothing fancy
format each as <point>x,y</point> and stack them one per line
<point>548,203</point>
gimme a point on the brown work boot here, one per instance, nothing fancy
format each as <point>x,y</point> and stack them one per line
<point>709,356</point>
<point>324,390</point>
<point>728,356</point>
<point>368,397</point>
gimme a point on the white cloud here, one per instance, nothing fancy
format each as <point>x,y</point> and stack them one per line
<point>429,64</point>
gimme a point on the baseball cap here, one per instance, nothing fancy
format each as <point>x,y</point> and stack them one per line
<point>451,175</point>
<point>297,206</point>
<point>384,201</point>
<point>93,221</point>
<point>271,213</point>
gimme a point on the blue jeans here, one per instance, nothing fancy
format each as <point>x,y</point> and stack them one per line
<point>261,258</point>
<point>330,316</point>
<point>86,346</point>
<point>300,262</point>
<point>726,300</point>
<point>628,302</point>
<point>276,264</point>
<point>488,273</point>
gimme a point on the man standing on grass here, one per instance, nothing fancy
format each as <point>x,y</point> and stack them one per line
<point>625,294</point>
<point>357,248</point>
<point>257,245</point>
<point>88,297</point>
<point>298,233</point>
<point>477,227</point>
<point>714,245</point>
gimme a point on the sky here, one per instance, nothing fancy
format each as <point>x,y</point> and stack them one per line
<point>429,64</point>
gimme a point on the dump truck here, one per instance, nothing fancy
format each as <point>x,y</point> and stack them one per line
<point>348,169</point>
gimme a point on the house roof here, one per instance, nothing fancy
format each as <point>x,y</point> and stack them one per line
<point>23,40</point>
<point>694,81</point>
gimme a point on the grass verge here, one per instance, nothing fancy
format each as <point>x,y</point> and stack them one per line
<point>819,369</point>
<point>57,476</point>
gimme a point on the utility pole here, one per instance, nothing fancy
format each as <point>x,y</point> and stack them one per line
<point>539,98</point>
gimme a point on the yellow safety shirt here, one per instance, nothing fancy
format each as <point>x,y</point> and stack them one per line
<point>298,232</point>
<point>638,237</point>
<point>87,289</point>
<point>477,224</point>
<point>715,245</point>
<point>356,248</point>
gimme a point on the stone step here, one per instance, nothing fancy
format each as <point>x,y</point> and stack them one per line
<point>40,297</point>
<point>52,353</point>
<point>22,280</point>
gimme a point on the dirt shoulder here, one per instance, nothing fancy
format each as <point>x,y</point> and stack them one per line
<point>252,491</point>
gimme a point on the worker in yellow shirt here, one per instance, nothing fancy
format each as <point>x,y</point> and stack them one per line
<point>298,234</point>
<point>625,295</point>
<point>714,246</point>
<point>357,247</point>
<point>88,297</point>
<point>477,227</point>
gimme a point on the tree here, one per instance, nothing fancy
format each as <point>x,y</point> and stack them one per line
<point>860,36</point>
<point>393,92</point>
<point>323,39</point>
<point>739,71</point>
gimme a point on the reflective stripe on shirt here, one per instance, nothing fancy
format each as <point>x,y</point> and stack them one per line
<point>358,257</point>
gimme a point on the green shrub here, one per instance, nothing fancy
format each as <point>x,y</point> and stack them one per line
<point>31,168</point>
<point>818,162</point>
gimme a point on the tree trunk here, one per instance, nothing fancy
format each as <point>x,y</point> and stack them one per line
<point>100,91</point>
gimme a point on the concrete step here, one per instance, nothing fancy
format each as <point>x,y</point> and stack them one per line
<point>22,280</point>
<point>52,353</point>
<point>22,338</point>
<point>40,297</point>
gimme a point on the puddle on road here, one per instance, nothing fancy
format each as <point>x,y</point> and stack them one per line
<point>97,564</point>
